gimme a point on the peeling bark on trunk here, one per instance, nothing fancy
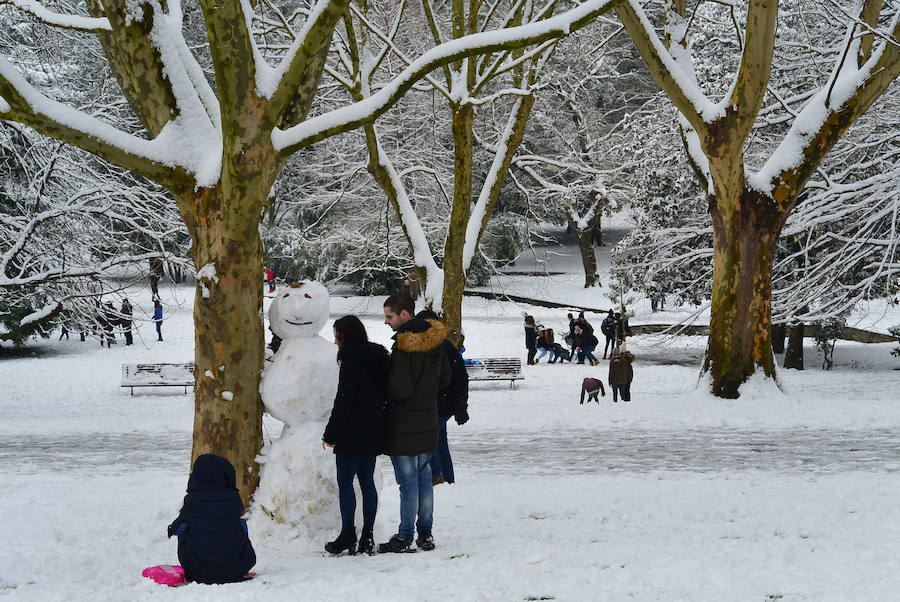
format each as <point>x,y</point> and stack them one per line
<point>228,339</point>
<point>744,235</point>
<point>793,355</point>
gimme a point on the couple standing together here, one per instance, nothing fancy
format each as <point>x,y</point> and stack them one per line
<point>396,404</point>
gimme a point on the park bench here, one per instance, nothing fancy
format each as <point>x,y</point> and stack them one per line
<point>495,368</point>
<point>157,375</point>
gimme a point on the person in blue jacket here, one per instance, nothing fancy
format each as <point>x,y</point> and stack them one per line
<point>213,543</point>
<point>157,317</point>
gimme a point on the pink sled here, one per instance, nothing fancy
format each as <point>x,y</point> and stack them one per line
<point>165,574</point>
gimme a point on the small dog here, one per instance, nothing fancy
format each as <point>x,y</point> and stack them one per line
<point>592,386</point>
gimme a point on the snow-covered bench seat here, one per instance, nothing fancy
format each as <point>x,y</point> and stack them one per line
<point>157,375</point>
<point>495,368</point>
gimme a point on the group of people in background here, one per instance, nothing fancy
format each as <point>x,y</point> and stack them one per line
<point>398,404</point>
<point>582,343</point>
<point>108,318</point>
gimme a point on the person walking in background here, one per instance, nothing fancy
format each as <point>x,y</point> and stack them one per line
<point>355,430</point>
<point>587,342</point>
<point>419,369</point>
<point>608,329</point>
<point>126,312</point>
<point>530,338</point>
<point>592,386</point>
<point>621,374</point>
<point>452,402</point>
<point>270,278</point>
<point>158,317</point>
<point>64,333</point>
<point>213,541</point>
<point>109,323</point>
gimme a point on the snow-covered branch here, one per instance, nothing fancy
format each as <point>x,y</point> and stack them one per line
<point>369,109</point>
<point>55,19</point>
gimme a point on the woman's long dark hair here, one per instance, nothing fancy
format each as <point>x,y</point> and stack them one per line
<point>349,331</point>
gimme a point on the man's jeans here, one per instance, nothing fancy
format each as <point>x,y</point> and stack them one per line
<point>413,474</point>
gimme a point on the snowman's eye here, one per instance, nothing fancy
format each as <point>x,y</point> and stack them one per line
<point>307,295</point>
<point>285,296</point>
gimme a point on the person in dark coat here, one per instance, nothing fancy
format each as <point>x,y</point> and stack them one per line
<point>530,338</point>
<point>213,544</point>
<point>356,429</point>
<point>419,369</point>
<point>585,325</point>
<point>621,374</point>
<point>110,321</point>
<point>608,328</point>
<point>587,342</point>
<point>126,312</point>
<point>452,402</point>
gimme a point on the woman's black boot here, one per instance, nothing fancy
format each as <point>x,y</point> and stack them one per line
<point>366,541</point>
<point>345,541</point>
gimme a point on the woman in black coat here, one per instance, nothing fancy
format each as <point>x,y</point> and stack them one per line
<point>356,429</point>
<point>213,545</point>
<point>530,338</point>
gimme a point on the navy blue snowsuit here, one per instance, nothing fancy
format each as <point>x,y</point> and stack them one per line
<point>213,545</point>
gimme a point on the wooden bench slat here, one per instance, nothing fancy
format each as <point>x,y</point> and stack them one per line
<point>494,368</point>
<point>157,375</point>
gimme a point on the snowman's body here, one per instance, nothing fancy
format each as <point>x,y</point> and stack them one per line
<point>297,484</point>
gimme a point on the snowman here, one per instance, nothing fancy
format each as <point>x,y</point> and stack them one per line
<point>297,484</point>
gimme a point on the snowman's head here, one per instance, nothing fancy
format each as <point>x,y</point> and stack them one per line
<point>300,310</point>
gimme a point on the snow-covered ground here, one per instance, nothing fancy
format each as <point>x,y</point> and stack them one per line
<point>674,496</point>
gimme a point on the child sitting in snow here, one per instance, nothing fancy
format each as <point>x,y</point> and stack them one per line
<point>213,544</point>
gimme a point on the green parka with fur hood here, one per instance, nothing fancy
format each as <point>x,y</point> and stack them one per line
<point>419,369</point>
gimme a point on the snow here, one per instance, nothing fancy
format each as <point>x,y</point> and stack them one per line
<point>4,106</point>
<point>298,387</point>
<point>783,494</point>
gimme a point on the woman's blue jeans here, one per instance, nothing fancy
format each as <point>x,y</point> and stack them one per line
<point>413,474</point>
<point>441,462</point>
<point>362,467</point>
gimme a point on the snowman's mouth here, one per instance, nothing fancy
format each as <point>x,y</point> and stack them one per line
<point>298,323</point>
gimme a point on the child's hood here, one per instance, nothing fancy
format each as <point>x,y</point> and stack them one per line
<point>211,472</point>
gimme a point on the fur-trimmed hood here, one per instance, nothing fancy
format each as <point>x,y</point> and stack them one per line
<point>420,336</point>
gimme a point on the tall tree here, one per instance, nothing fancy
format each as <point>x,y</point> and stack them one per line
<point>748,209</point>
<point>219,150</point>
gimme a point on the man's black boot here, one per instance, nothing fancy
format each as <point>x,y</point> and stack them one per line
<point>395,544</point>
<point>425,541</point>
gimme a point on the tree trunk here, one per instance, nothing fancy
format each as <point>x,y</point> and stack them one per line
<point>454,273</point>
<point>228,337</point>
<point>156,273</point>
<point>588,257</point>
<point>745,231</point>
<point>793,356</point>
<point>779,331</point>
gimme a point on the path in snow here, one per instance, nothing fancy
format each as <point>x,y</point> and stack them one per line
<point>573,451</point>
